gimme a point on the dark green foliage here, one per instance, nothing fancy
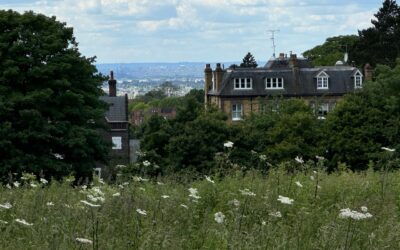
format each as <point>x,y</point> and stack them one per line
<point>380,43</point>
<point>332,50</point>
<point>365,121</point>
<point>290,130</point>
<point>249,61</point>
<point>49,96</point>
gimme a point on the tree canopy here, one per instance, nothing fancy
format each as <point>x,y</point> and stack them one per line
<point>332,50</point>
<point>50,110</point>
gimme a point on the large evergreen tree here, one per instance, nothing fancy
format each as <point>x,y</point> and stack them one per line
<point>249,61</point>
<point>380,43</point>
<point>49,99</point>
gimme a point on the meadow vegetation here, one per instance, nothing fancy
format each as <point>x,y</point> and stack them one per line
<point>297,206</point>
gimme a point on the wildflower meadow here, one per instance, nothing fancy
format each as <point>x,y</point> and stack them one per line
<point>307,209</point>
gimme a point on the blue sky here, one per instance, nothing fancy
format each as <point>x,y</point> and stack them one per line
<point>122,31</point>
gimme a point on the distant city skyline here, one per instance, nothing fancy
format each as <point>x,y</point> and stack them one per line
<point>129,31</point>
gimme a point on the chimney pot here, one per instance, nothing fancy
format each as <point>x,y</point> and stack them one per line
<point>112,85</point>
<point>281,56</point>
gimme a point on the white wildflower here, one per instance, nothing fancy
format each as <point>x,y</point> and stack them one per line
<point>388,149</point>
<point>299,184</point>
<point>116,194</point>
<point>4,222</point>
<point>160,183</point>
<point>219,217</point>
<point>101,181</point>
<point>89,204</point>
<point>84,187</point>
<point>235,202</point>
<point>315,172</point>
<point>44,181</point>
<point>299,159</point>
<point>33,185</point>
<point>312,178</point>
<point>263,157</point>
<point>84,241</point>
<point>184,206</point>
<point>23,222</point>
<point>165,196</point>
<point>364,209</point>
<point>276,214</point>
<point>58,156</point>
<point>97,190</point>
<point>142,189</point>
<point>247,192</point>
<point>146,163</point>
<point>50,204</point>
<point>228,144</point>
<point>285,200</point>
<point>16,184</point>
<point>320,158</point>
<point>193,193</point>
<point>6,205</point>
<point>355,215</point>
<point>142,212</point>
<point>209,179</point>
<point>8,186</point>
<point>120,186</point>
<point>120,166</point>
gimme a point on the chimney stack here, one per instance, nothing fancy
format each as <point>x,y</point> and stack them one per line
<point>294,64</point>
<point>112,85</point>
<point>207,81</point>
<point>281,56</point>
<point>219,74</point>
<point>368,72</point>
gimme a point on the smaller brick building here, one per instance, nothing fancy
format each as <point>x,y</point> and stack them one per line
<point>139,116</point>
<point>117,119</point>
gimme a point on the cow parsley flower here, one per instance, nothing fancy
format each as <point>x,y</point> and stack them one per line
<point>388,149</point>
<point>33,185</point>
<point>247,192</point>
<point>89,204</point>
<point>193,193</point>
<point>312,177</point>
<point>146,163</point>
<point>44,181</point>
<point>116,194</point>
<point>299,184</point>
<point>235,202</point>
<point>23,222</point>
<point>142,212</point>
<point>8,186</point>
<point>4,222</point>
<point>299,159</point>
<point>84,241</point>
<point>165,196</point>
<point>276,214</point>
<point>6,205</point>
<point>219,217</point>
<point>228,144</point>
<point>263,157</point>
<point>355,215</point>
<point>285,200</point>
<point>184,206</point>
<point>160,183</point>
<point>364,209</point>
<point>209,179</point>
<point>16,184</point>
<point>50,204</point>
<point>320,158</point>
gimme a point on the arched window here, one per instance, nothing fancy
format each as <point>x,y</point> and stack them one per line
<point>358,80</point>
<point>322,80</point>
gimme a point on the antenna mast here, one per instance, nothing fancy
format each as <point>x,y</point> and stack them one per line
<point>273,40</point>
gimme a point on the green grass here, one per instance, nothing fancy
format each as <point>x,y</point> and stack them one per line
<point>311,222</point>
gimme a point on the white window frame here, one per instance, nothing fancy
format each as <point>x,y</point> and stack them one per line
<point>274,83</point>
<point>117,142</point>
<point>323,110</point>
<point>243,83</point>
<point>322,80</point>
<point>358,80</point>
<point>97,171</point>
<point>237,111</point>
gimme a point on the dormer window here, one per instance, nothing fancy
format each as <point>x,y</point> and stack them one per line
<point>243,83</point>
<point>322,80</point>
<point>274,83</point>
<point>358,80</point>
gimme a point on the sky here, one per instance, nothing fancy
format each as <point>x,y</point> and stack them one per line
<point>126,31</point>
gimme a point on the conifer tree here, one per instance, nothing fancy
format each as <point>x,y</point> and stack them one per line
<point>249,61</point>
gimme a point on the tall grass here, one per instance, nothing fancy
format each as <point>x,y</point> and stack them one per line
<point>181,222</point>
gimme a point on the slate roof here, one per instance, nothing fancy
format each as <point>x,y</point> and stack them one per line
<point>117,108</point>
<point>341,80</point>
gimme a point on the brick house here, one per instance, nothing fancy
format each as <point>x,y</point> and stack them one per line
<point>117,119</point>
<point>139,116</point>
<point>241,91</point>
